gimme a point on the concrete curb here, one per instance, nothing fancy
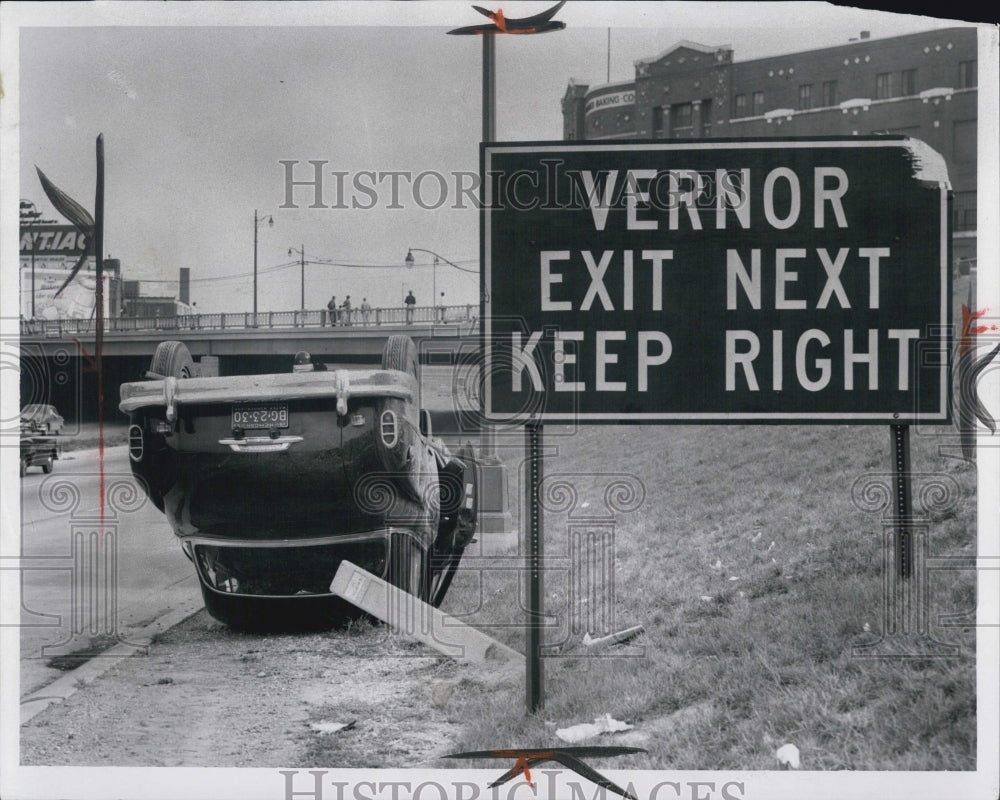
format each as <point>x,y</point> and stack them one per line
<point>65,686</point>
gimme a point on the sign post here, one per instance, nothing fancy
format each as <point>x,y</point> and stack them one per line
<point>534,675</point>
<point>801,281</point>
<point>902,498</point>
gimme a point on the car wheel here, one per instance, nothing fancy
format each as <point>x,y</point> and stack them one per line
<point>47,466</point>
<point>172,359</point>
<point>401,353</point>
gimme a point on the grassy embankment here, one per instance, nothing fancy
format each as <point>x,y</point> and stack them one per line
<point>756,575</point>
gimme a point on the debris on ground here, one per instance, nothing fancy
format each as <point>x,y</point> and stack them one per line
<point>614,638</point>
<point>788,756</point>
<point>332,727</point>
<point>587,730</point>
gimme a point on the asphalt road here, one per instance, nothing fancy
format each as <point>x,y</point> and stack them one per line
<point>79,584</point>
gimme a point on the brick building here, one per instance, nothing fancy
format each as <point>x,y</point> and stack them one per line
<point>921,85</point>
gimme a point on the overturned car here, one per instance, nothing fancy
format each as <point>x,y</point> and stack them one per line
<point>269,481</point>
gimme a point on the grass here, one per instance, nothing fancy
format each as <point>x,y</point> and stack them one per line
<point>756,576</point>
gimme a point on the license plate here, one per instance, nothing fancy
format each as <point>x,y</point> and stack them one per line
<point>260,415</point>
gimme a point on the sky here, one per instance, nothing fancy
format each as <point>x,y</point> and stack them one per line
<point>199,104</point>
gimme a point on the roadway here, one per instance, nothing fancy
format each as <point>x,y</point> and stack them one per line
<point>78,585</point>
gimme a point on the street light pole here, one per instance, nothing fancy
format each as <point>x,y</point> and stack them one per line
<point>489,89</point>
<point>255,265</point>
<point>256,222</point>
<point>31,232</point>
<point>408,261</point>
<point>302,266</point>
<point>32,217</point>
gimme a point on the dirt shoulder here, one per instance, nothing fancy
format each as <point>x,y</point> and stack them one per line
<point>209,696</point>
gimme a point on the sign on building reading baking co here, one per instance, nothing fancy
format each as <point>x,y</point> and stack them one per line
<point>785,281</point>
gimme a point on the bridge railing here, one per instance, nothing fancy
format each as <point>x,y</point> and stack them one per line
<point>375,317</point>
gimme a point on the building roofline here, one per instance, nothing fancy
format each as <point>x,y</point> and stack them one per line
<point>855,43</point>
<point>613,85</point>
<point>701,48</point>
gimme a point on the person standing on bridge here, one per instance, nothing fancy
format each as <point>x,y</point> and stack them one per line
<point>410,301</point>
<point>346,306</point>
<point>366,311</point>
<point>331,310</point>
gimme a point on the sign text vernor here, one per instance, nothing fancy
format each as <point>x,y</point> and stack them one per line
<point>733,281</point>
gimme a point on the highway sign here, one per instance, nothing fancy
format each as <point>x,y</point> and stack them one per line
<point>799,280</point>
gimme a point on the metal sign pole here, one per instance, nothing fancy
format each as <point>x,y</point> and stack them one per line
<point>488,435</point>
<point>534,676</point>
<point>902,495</point>
<point>99,317</point>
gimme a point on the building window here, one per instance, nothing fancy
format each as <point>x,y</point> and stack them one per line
<point>680,120</point>
<point>829,93</point>
<point>883,86</point>
<point>758,104</point>
<point>908,82</point>
<point>966,74</point>
<point>805,96</point>
<point>740,105</point>
<point>964,211</point>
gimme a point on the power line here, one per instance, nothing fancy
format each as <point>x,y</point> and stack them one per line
<point>324,262</point>
<point>331,263</point>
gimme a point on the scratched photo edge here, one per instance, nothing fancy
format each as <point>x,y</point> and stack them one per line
<point>71,782</point>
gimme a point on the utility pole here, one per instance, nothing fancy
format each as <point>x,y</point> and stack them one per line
<point>31,216</point>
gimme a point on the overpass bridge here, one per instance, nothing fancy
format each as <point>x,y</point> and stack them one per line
<point>351,334</point>
<point>57,355</point>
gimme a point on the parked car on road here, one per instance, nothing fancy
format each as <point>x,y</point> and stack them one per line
<point>44,415</point>
<point>37,450</point>
<point>269,481</point>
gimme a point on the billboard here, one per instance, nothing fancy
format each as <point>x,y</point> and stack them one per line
<point>49,252</point>
<point>76,300</point>
<point>800,280</point>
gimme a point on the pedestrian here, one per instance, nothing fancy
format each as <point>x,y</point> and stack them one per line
<point>366,310</point>
<point>331,310</point>
<point>346,306</point>
<point>410,301</point>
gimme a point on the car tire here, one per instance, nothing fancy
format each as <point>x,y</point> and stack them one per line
<point>47,466</point>
<point>172,360</point>
<point>400,353</point>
